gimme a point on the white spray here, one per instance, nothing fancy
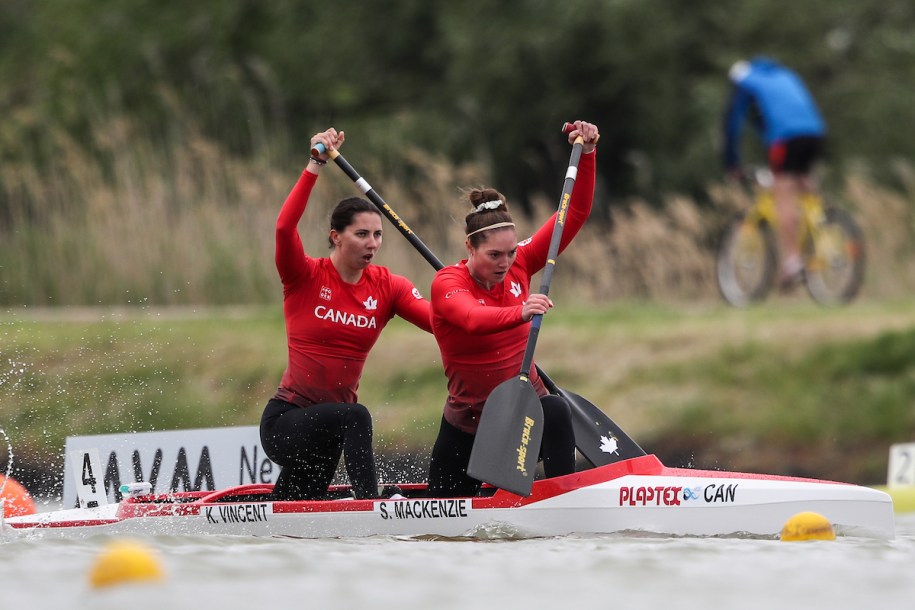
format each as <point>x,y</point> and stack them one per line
<point>6,475</point>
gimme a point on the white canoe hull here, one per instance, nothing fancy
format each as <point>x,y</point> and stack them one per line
<point>639,494</point>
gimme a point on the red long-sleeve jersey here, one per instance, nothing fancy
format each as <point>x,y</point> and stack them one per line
<point>331,325</point>
<point>480,332</point>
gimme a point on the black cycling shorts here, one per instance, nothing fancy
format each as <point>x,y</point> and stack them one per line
<point>795,155</point>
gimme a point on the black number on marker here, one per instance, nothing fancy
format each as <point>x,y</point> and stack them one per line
<point>902,474</point>
<point>88,476</point>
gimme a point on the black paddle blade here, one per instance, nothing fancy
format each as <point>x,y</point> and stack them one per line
<point>597,437</point>
<point>507,444</point>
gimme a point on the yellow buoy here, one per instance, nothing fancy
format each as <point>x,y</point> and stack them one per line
<point>15,498</point>
<point>807,526</point>
<point>125,561</point>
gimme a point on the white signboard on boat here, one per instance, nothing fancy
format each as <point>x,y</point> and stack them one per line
<point>178,460</point>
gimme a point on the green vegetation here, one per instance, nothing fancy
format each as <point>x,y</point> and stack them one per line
<point>790,388</point>
<point>191,226</point>
<point>146,148</point>
<point>446,78</point>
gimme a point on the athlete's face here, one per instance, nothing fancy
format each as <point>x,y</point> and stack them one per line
<point>490,261</point>
<point>359,242</point>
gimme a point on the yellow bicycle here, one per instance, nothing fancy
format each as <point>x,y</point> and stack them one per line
<point>831,242</point>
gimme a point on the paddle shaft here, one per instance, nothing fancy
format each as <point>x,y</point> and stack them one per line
<point>381,204</point>
<point>506,446</point>
<point>553,252</point>
<point>414,239</point>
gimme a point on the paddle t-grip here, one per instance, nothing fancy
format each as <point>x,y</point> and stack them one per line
<point>568,128</point>
<point>319,148</point>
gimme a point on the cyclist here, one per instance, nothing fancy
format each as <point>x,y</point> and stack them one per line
<point>785,114</point>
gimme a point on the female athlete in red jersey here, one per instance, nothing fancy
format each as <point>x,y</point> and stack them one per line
<point>335,308</point>
<point>481,310</point>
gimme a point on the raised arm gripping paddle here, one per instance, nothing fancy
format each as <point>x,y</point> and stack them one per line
<point>597,437</point>
<point>506,446</point>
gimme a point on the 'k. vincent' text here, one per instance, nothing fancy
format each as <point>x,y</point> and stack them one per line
<point>238,513</point>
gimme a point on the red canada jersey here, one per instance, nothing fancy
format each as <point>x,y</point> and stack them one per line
<point>331,325</point>
<point>480,332</point>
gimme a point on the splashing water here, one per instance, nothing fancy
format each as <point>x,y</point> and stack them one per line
<point>6,475</point>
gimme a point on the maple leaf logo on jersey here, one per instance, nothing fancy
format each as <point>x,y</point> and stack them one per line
<point>325,293</point>
<point>608,444</point>
<point>515,289</point>
<point>370,303</point>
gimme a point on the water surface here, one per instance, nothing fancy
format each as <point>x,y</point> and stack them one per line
<point>626,572</point>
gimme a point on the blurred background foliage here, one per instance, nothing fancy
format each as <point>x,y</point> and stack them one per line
<point>93,92</point>
<point>484,80</point>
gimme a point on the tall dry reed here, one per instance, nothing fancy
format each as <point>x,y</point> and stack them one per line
<point>173,218</point>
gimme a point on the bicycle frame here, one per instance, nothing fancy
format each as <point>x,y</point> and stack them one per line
<point>831,242</point>
<point>812,217</point>
<point>763,208</point>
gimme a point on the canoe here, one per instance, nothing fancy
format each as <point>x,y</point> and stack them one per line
<point>634,495</point>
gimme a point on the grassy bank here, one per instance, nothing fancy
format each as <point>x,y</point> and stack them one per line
<point>785,388</point>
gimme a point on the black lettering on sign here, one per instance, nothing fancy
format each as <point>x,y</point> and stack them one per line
<point>720,493</point>
<point>113,476</point>
<point>903,473</point>
<point>266,471</point>
<point>153,471</point>
<point>250,467</point>
<point>88,477</point>
<point>423,509</point>
<point>182,472</point>
<point>257,471</point>
<point>237,513</point>
<point>204,471</point>
<point>242,513</point>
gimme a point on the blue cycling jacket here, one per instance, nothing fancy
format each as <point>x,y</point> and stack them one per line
<point>785,107</point>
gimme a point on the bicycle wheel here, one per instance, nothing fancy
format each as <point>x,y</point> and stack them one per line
<point>834,259</point>
<point>747,261</point>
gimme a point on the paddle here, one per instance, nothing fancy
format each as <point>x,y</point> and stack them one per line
<point>597,437</point>
<point>380,203</point>
<point>506,446</point>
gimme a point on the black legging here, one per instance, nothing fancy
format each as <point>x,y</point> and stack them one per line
<point>307,443</point>
<point>451,453</point>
